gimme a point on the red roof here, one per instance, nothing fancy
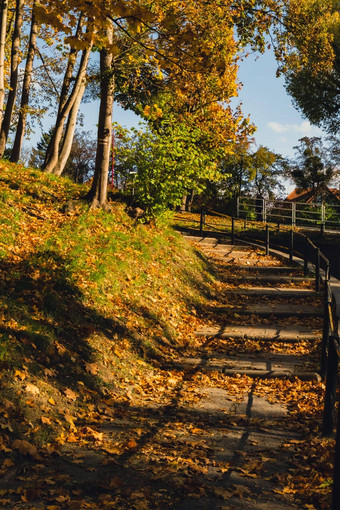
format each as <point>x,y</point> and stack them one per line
<point>303,195</point>
<point>310,195</point>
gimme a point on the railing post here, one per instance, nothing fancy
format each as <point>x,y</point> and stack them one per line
<point>232,230</point>
<point>202,222</point>
<point>237,207</point>
<point>267,240</point>
<point>293,214</point>
<point>317,270</point>
<point>264,210</point>
<point>326,324</point>
<point>305,262</point>
<point>291,245</point>
<point>323,218</point>
<point>336,475</point>
<point>330,394</point>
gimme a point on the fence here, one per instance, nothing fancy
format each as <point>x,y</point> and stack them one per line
<point>296,214</point>
<point>330,345</point>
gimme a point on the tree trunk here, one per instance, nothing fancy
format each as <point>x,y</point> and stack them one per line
<point>69,133</point>
<point>183,204</point>
<point>52,161</point>
<point>3,29</point>
<point>20,132</point>
<point>98,192</point>
<point>6,122</point>
<point>53,146</point>
<point>189,200</point>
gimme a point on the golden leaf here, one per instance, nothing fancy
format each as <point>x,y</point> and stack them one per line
<point>45,420</point>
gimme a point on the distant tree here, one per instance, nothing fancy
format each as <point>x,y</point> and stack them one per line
<point>265,170</point>
<point>315,164</point>
<point>80,163</point>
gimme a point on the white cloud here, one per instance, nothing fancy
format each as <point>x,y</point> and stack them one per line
<point>304,129</point>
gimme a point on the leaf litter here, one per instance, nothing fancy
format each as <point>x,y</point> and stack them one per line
<point>102,423</point>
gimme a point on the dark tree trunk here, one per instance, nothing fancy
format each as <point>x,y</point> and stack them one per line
<point>15,57</point>
<point>3,33</point>
<point>20,132</point>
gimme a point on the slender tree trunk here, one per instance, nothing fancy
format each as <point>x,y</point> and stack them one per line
<point>64,94</point>
<point>69,133</point>
<point>183,204</point>
<point>71,62</point>
<point>20,132</point>
<point>59,128</point>
<point>3,33</point>
<point>189,200</point>
<point>15,57</point>
<point>98,192</point>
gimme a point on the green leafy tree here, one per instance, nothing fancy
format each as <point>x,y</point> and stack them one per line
<point>166,164</point>
<point>265,171</point>
<point>315,164</point>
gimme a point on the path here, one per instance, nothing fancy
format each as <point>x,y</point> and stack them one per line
<point>228,428</point>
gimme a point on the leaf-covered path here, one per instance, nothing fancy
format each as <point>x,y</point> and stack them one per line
<point>226,425</point>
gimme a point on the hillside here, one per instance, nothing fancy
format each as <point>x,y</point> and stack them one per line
<point>91,303</point>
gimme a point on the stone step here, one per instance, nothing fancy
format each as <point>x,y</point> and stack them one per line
<point>280,310</point>
<point>269,279</point>
<point>234,367</point>
<point>273,291</point>
<point>209,241</point>
<point>279,270</point>
<point>271,332</point>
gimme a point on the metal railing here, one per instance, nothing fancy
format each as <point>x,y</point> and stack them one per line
<point>313,215</point>
<point>330,345</point>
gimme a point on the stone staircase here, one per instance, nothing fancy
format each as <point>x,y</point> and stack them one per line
<point>262,299</point>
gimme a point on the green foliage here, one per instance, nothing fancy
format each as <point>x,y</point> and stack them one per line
<point>167,163</point>
<point>315,164</point>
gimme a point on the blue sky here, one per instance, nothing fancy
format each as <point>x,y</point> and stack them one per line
<point>264,98</point>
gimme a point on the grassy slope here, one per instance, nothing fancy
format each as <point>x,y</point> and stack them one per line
<point>91,304</point>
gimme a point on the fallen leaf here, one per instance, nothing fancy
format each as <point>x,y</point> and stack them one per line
<point>20,375</point>
<point>70,394</point>
<point>31,388</point>
<point>45,420</point>
<point>92,368</point>
<point>24,447</point>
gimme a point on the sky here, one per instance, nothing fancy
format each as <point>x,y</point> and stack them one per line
<point>264,98</point>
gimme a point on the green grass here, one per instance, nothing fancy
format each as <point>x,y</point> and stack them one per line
<point>81,289</point>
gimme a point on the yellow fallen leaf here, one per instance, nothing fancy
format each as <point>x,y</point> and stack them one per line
<point>51,401</point>
<point>20,375</point>
<point>45,420</point>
